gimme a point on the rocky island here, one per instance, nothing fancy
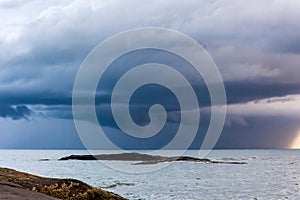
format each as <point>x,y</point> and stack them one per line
<point>143,159</point>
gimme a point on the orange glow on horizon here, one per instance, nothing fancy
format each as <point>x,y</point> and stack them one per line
<point>296,143</point>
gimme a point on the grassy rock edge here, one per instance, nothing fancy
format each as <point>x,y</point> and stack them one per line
<point>70,189</point>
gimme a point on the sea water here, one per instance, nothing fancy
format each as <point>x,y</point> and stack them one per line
<point>268,174</point>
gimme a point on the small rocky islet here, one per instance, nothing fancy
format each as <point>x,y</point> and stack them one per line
<point>143,159</point>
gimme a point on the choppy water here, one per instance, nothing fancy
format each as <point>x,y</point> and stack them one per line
<point>269,174</point>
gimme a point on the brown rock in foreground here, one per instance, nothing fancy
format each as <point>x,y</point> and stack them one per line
<point>8,191</point>
<point>21,186</point>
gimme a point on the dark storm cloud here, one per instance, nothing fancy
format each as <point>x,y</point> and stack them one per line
<point>15,113</point>
<point>59,104</point>
<point>242,92</point>
<point>36,98</point>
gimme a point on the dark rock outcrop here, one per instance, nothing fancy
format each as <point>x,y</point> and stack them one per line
<point>121,157</point>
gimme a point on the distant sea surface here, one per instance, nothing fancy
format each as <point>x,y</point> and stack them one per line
<point>269,174</point>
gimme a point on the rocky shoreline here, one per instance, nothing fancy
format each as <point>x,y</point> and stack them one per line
<point>16,185</point>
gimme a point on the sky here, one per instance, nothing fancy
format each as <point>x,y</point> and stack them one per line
<point>255,44</point>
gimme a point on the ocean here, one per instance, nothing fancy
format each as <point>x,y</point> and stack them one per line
<point>268,174</point>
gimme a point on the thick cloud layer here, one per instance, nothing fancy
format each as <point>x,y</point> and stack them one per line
<point>255,44</point>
